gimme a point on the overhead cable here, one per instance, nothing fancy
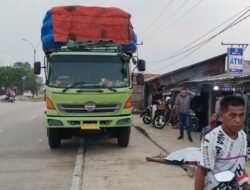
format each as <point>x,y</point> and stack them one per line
<point>168,18</point>
<point>157,18</point>
<point>155,34</point>
<point>198,46</point>
<point>184,50</point>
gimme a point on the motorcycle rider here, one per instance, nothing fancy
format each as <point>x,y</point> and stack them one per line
<point>8,94</point>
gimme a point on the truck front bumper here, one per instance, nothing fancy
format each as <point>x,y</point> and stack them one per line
<point>78,122</point>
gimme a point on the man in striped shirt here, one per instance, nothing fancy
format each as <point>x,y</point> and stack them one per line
<point>225,149</point>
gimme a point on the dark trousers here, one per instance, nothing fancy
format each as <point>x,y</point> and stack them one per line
<point>184,124</point>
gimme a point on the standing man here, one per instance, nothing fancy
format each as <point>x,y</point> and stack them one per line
<point>183,102</point>
<point>225,149</point>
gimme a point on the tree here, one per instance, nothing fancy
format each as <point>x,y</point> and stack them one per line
<point>25,65</point>
<point>12,77</point>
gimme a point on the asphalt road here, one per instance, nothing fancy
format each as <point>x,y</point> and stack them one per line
<point>27,163</point>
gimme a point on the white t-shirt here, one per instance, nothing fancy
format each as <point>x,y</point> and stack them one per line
<point>222,153</point>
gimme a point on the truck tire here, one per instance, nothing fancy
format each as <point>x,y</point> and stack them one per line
<point>54,138</point>
<point>124,136</point>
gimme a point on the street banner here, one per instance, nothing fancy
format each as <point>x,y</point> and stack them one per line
<point>235,61</point>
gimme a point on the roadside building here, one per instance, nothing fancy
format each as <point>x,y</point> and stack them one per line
<point>137,96</point>
<point>206,78</point>
<point>179,78</point>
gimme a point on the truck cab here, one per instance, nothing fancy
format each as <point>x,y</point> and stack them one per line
<point>88,90</point>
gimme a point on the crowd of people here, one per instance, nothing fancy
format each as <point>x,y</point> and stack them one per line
<point>223,144</point>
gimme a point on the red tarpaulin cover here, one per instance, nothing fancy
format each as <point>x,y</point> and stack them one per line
<point>96,24</point>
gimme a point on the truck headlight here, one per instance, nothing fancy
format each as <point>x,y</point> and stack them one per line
<point>123,121</point>
<point>54,122</point>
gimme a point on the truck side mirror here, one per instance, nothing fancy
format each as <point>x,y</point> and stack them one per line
<point>141,65</point>
<point>37,67</point>
<point>140,79</point>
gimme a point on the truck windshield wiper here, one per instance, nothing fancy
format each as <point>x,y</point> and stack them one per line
<point>89,90</point>
<point>72,85</point>
<point>112,89</point>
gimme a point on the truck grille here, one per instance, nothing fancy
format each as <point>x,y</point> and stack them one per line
<point>80,108</point>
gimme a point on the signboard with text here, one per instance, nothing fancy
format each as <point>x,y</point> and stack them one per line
<point>24,78</point>
<point>235,61</point>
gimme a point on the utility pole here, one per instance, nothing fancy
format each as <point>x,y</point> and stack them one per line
<point>33,47</point>
<point>137,51</point>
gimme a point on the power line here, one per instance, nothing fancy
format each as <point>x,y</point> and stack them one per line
<point>174,22</point>
<point>172,15</point>
<point>216,28</point>
<point>206,41</point>
<point>157,18</point>
<point>184,50</point>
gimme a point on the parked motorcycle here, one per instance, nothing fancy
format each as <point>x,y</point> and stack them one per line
<point>173,118</point>
<point>148,114</point>
<point>161,117</point>
<point>193,121</point>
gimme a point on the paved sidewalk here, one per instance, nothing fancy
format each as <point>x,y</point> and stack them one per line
<point>166,139</point>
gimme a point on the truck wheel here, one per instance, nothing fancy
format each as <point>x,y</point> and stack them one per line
<point>124,136</point>
<point>54,138</point>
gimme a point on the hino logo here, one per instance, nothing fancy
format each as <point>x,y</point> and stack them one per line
<point>90,106</point>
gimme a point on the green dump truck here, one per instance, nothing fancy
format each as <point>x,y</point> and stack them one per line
<point>88,56</point>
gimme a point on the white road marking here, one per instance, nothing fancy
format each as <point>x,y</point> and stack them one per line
<point>32,117</point>
<point>78,171</point>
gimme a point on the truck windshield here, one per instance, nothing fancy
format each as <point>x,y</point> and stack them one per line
<point>85,71</point>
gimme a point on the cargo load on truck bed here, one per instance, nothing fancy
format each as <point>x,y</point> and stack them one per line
<point>81,23</point>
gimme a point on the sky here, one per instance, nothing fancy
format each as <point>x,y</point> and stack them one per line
<point>163,28</point>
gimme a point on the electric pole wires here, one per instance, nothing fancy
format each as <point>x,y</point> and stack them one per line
<point>198,46</point>
<point>194,48</point>
<point>168,18</point>
<point>157,32</point>
<point>158,17</point>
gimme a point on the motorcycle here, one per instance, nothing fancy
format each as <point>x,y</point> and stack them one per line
<point>5,99</point>
<point>193,121</point>
<point>161,117</point>
<point>148,114</point>
<point>165,116</point>
<point>173,118</point>
<point>227,180</point>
